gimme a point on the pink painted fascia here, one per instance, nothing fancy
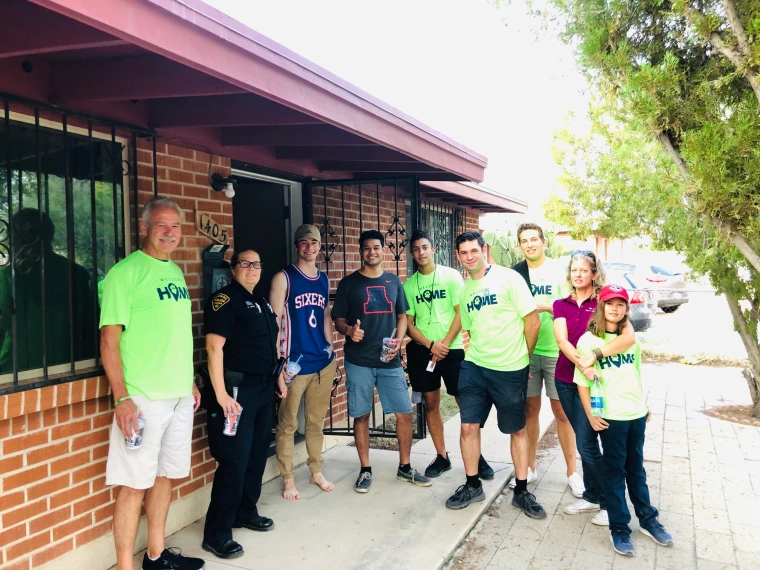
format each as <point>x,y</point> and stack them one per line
<point>479,193</point>
<point>201,37</point>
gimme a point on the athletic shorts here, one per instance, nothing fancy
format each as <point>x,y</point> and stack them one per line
<point>480,388</point>
<point>417,359</point>
<point>361,382</point>
<point>166,447</point>
<point>542,373</point>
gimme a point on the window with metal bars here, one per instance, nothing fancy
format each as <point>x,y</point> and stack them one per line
<point>443,223</point>
<point>62,227</point>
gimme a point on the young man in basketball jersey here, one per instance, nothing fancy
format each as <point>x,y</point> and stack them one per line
<point>436,351</point>
<point>300,297</point>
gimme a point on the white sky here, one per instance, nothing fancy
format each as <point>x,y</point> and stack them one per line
<point>478,74</point>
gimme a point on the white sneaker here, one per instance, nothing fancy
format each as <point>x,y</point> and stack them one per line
<point>532,477</point>
<point>601,518</point>
<point>575,482</point>
<point>582,506</point>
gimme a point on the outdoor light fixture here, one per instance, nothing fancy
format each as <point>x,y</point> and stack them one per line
<point>219,183</point>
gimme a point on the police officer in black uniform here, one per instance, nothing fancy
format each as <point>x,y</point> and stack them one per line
<point>241,341</point>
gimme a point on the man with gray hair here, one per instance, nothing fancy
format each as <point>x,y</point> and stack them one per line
<point>147,351</point>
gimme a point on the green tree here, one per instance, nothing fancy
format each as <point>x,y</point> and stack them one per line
<point>505,248</point>
<point>683,74</point>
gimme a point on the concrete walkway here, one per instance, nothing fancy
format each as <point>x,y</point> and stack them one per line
<point>703,475</point>
<point>396,525</point>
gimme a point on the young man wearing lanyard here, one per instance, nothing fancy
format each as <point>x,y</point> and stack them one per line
<point>436,351</point>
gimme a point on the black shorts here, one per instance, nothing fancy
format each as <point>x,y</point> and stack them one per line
<point>480,388</point>
<point>417,358</point>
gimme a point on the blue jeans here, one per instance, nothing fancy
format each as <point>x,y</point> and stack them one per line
<point>587,441</point>
<point>623,460</point>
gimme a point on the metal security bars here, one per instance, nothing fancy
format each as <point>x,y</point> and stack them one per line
<point>64,184</point>
<point>342,210</point>
<point>444,223</point>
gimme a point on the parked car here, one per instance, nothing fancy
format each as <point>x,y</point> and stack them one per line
<point>669,286</point>
<point>643,299</point>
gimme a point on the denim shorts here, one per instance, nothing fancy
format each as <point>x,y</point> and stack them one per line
<point>361,382</point>
<point>480,388</point>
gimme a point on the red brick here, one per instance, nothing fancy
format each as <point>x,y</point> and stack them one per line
<point>100,452</point>
<point>53,552</point>
<point>24,513</point>
<point>104,513</point>
<point>70,495</point>
<point>47,487</point>
<point>10,535</point>
<point>191,487</point>
<point>179,151</point>
<point>92,502</point>
<point>89,439</point>
<point>26,546</point>
<point>5,426</point>
<point>63,395</point>
<point>77,410</point>
<point>49,417</point>
<point>33,421</point>
<point>91,388</point>
<point>64,414</point>
<point>203,469</point>
<point>73,428</point>
<point>10,500</point>
<point>88,472</point>
<point>50,519</point>
<point>20,565</point>
<point>24,478</point>
<point>47,452</point>
<point>70,462</point>
<point>209,206</point>
<point>31,401</point>
<point>77,391</point>
<point>92,533</point>
<point>103,420</point>
<point>18,425</point>
<point>47,398</point>
<point>72,527</point>
<point>11,464</point>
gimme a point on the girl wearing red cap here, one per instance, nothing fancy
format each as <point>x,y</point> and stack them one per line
<point>622,422</point>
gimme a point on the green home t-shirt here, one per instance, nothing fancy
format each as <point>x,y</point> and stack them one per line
<point>548,283</point>
<point>432,299</point>
<point>149,298</point>
<point>492,310</point>
<point>620,375</point>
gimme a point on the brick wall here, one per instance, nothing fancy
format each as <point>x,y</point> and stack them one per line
<point>53,496</point>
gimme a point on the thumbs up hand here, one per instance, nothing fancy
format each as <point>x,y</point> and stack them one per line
<point>355,332</point>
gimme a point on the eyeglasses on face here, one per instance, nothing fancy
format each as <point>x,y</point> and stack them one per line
<point>246,264</point>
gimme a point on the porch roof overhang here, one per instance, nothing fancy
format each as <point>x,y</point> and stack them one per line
<point>473,196</point>
<point>200,79</point>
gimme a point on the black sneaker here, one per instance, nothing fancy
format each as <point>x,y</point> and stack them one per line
<point>438,466</point>
<point>171,560</point>
<point>363,483</point>
<point>414,477</point>
<point>527,502</point>
<point>485,471</point>
<point>465,495</point>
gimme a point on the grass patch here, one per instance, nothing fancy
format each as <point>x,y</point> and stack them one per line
<point>701,359</point>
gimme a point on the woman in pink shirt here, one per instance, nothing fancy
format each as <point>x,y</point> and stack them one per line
<point>571,317</point>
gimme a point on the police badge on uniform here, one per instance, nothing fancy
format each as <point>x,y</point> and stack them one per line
<point>219,300</point>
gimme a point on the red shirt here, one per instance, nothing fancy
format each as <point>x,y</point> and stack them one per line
<point>577,319</point>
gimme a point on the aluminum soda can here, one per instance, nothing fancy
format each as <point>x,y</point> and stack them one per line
<point>135,441</point>
<point>389,345</point>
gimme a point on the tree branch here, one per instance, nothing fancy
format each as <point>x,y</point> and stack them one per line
<point>739,61</point>
<point>737,28</point>
<point>733,234</point>
<point>753,351</point>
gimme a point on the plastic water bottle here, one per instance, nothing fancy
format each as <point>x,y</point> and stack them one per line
<point>597,398</point>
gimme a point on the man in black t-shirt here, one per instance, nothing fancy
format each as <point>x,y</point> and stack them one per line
<point>374,304</point>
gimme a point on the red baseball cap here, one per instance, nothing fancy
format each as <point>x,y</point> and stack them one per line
<point>610,292</point>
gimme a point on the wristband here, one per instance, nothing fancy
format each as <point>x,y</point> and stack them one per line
<point>432,342</point>
<point>598,353</point>
<point>120,400</point>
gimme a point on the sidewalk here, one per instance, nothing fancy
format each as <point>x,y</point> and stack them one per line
<point>396,525</point>
<point>703,475</point>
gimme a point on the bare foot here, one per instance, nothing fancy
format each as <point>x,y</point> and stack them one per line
<point>289,490</point>
<point>324,484</point>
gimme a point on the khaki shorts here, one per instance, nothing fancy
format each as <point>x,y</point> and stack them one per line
<point>542,374</point>
<point>166,447</point>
